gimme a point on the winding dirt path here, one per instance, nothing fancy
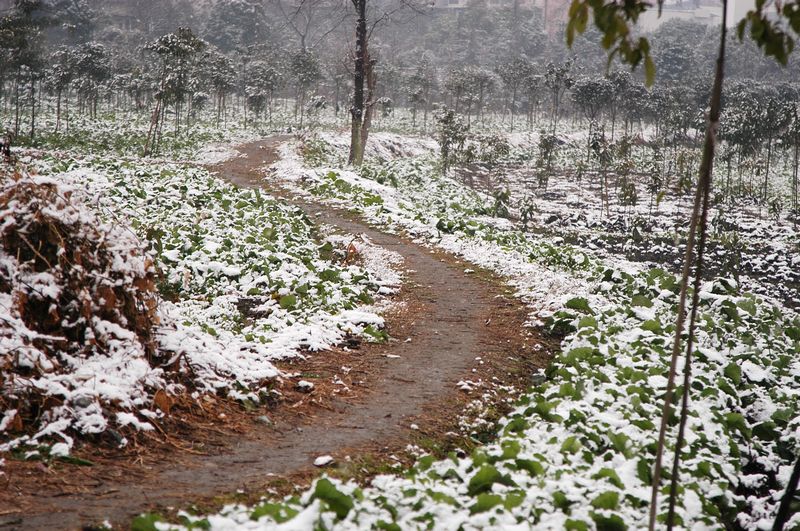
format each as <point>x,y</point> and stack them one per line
<point>459,326</point>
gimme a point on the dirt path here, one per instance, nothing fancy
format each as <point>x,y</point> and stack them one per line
<point>451,319</point>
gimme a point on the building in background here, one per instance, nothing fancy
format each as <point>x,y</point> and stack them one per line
<point>461,4</point>
<point>554,12</point>
<point>708,12</point>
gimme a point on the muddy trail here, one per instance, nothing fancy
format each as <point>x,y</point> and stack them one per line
<point>450,326</point>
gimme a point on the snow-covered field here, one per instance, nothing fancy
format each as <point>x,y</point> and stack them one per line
<point>578,450</point>
<point>243,281</point>
<point>641,215</point>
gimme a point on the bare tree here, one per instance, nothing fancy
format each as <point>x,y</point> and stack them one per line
<point>312,20</point>
<point>364,71</point>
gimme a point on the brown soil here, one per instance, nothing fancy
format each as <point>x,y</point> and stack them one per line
<point>449,326</point>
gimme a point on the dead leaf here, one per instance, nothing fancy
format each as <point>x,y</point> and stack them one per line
<point>163,401</point>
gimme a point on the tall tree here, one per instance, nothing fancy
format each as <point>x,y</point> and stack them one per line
<point>558,78</point>
<point>306,72</point>
<point>364,74</point>
<point>363,71</point>
<point>176,52</point>
<point>513,73</point>
<point>92,66</point>
<point>22,53</point>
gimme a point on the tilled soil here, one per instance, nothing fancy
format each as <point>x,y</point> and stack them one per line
<point>450,326</point>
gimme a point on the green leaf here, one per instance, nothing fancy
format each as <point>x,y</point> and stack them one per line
<point>479,457</point>
<point>146,522</point>
<point>483,480</point>
<point>372,200</point>
<point>576,525</point>
<point>611,475</point>
<point>278,512</point>
<point>339,502</point>
<point>730,311</point>
<point>783,416</point>
<point>620,442</point>
<point>644,472</point>
<point>288,302</point>
<point>534,468</point>
<point>441,497</point>
<point>734,372</point>
<point>376,335</point>
<point>326,251</point>
<point>766,431</point>
<point>609,523</point>
<point>425,462</point>
<point>544,408</point>
<point>561,501</point>
<point>329,275</point>
<point>511,449</point>
<point>652,325</point>
<point>72,460</point>
<point>735,421</point>
<point>571,445</point>
<point>516,425</point>
<point>607,500</point>
<point>194,524</point>
<point>641,300</point>
<point>580,304</point>
<point>485,502</point>
<point>514,499</point>
<point>578,354</point>
<point>740,27</point>
<point>747,305</point>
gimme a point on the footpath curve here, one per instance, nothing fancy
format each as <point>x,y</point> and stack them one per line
<point>463,325</point>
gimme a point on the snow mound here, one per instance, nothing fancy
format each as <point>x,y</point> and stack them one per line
<point>85,344</point>
<point>78,307</point>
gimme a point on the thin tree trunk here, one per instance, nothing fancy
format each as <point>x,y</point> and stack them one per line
<point>58,110</point>
<point>513,104</point>
<point>369,110</point>
<point>357,111</point>
<point>16,107</point>
<point>785,508</point>
<point>33,109</point>
<point>699,220</point>
<point>766,169</point>
<point>795,164</point>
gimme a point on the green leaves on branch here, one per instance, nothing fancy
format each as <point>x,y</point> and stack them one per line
<point>768,33</point>
<point>614,20</point>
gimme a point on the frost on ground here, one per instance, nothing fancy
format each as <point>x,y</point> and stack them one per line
<point>577,452</point>
<point>229,279</point>
<point>216,154</point>
<point>638,208</point>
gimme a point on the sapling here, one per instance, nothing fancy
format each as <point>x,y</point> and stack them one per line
<point>452,134</point>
